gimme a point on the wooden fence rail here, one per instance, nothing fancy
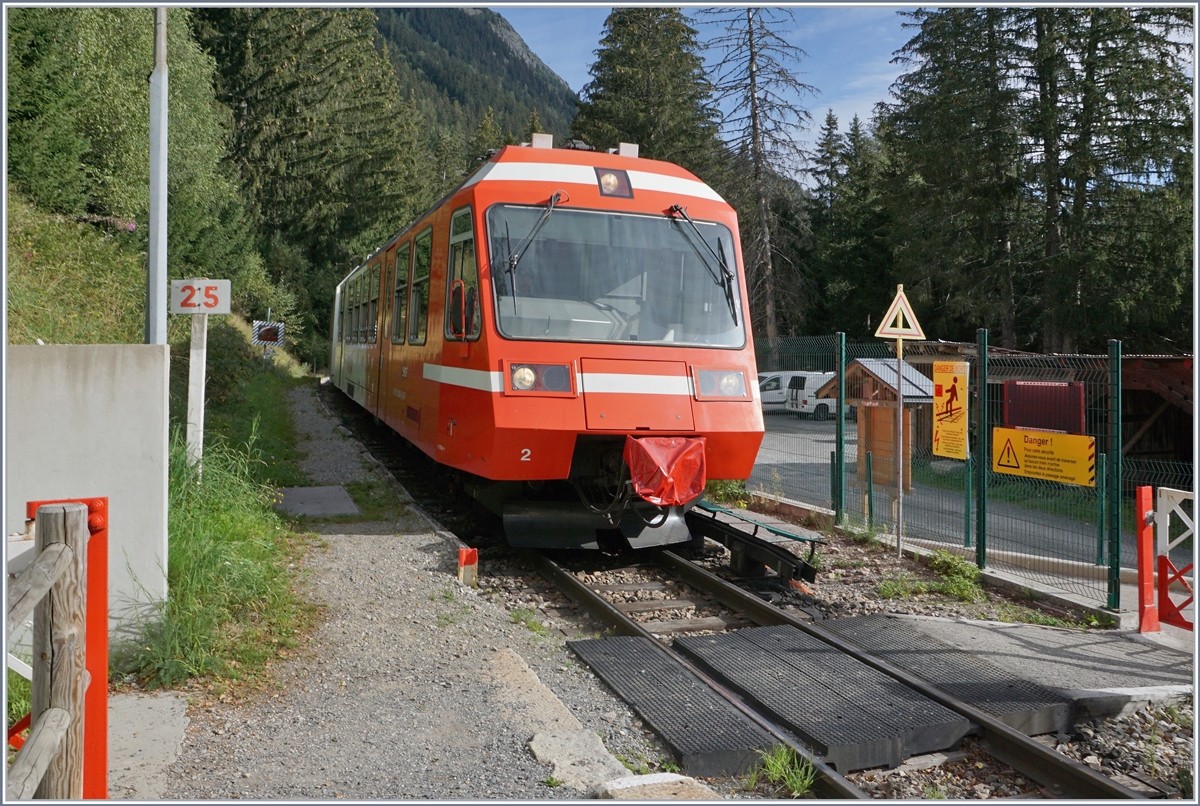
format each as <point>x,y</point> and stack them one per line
<point>54,588</point>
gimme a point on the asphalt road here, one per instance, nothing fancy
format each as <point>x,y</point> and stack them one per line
<point>794,462</point>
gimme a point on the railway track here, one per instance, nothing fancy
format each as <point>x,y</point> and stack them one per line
<point>1060,776</point>
<point>698,602</point>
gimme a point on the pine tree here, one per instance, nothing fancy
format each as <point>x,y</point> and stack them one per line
<point>326,149</point>
<point>532,126</point>
<point>754,76</point>
<point>1038,156</point>
<point>487,137</point>
<point>45,150</point>
<point>648,87</point>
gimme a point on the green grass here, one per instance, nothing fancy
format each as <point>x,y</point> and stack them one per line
<point>731,493</point>
<point>786,769</point>
<point>529,617</point>
<point>244,402</point>
<point>231,607</point>
<point>70,283</point>
<point>19,697</point>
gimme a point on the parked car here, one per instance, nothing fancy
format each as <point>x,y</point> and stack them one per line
<point>800,399</point>
<point>772,389</point>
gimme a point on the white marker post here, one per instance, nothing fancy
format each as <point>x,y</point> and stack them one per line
<point>900,323</point>
<point>198,298</point>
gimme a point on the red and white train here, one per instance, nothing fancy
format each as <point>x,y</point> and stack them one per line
<point>568,329</point>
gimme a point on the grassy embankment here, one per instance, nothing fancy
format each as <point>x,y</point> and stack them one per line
<point>233,561</point>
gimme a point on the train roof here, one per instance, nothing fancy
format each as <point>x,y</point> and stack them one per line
<point>566,166</point>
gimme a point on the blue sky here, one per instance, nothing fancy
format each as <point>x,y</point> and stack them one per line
<point>849,50</point>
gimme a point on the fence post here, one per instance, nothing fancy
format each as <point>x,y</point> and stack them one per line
<point>839,501</point>
<point>59,635</point>
<point>870,494</point>
<point>982,454</point>
<point>833,482</point>
<point>967,503</point>
<point>1101,506</point>
<point>1114,475</point>
<point>1147,602</point>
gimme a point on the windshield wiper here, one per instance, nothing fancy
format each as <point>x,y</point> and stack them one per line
<point>725,277</point>
<point>515,257</point>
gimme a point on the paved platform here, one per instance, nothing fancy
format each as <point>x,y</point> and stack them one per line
<point>317,502</point>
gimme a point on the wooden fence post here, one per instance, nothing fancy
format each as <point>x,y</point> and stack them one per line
<point>59,676</point>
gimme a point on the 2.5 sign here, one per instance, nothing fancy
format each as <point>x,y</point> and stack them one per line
<point>199,296</point>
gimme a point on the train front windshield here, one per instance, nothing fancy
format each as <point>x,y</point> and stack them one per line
<point>578,275</point>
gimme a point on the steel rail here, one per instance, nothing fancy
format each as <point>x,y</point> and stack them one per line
<point>1061,775</point>
<point>829,782</point>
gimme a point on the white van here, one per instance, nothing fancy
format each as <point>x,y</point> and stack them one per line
<point>772,389</point>
<point>801,395</point>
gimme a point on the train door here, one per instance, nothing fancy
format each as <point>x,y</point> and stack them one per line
<point>381,336</point>
<point>371,335</point>
<point>392,393</point>
<point>463,414</point>
<point>420,398</point>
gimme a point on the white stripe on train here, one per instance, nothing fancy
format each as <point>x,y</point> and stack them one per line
<point>596,382</point>
<point>586,175</point>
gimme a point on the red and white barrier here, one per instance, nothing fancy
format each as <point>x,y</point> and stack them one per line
<point>1154,547</point>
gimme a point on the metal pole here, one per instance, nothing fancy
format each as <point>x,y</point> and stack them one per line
<point>195,404</point>
<point>870,494</point>
<point>983,460</point>
<point>1101,501</point>
<point>1114,474</point>
<point>156,256</point>
<point>833,481</point>
<point>967,503</point>
<point>899,445</point>
<point>840,500</point>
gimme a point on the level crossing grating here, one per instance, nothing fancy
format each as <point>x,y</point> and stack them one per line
<point>708,735</point>
<point>1021,704</point>
<point>853,716</point>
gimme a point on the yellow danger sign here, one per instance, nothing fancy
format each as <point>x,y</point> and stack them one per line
<point>950,409</point>
<point>1068,458</point>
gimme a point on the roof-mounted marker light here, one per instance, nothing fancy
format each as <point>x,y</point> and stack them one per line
<point>627,149</point>
<point>614,183</point>
<point>543,140</point>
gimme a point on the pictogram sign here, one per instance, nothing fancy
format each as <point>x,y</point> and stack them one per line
<point>1049,455</point>
<point>900,322</point>
<point>267,333</point>
<point>950,409</point>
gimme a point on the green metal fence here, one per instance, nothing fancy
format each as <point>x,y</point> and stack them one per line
<point>1075,537</point>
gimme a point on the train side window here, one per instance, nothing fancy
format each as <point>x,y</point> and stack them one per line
<point>373,305</point>
<point>353,303</point>
<point>358,323</point>
<point>418,316</point>
<point>462,277</point>
<point>400,295</point>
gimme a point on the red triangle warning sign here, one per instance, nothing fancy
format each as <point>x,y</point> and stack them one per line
<point>900,322</point>
<point>1008,457</point>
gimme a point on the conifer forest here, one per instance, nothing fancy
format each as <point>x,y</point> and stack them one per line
<point>1030,170</point>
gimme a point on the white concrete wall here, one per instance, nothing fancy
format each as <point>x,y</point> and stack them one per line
<point>91,420</point>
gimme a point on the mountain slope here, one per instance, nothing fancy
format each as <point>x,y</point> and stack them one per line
<point>457,62</point>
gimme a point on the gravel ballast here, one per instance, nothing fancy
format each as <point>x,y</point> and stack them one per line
<point>417,687</point>
<point>414,686</point>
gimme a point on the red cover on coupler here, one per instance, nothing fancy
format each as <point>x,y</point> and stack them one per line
<point>666,471</point>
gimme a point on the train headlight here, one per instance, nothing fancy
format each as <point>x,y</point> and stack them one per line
<point>523,378</point>
<point>721,384</point>
<point>549,380</point>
